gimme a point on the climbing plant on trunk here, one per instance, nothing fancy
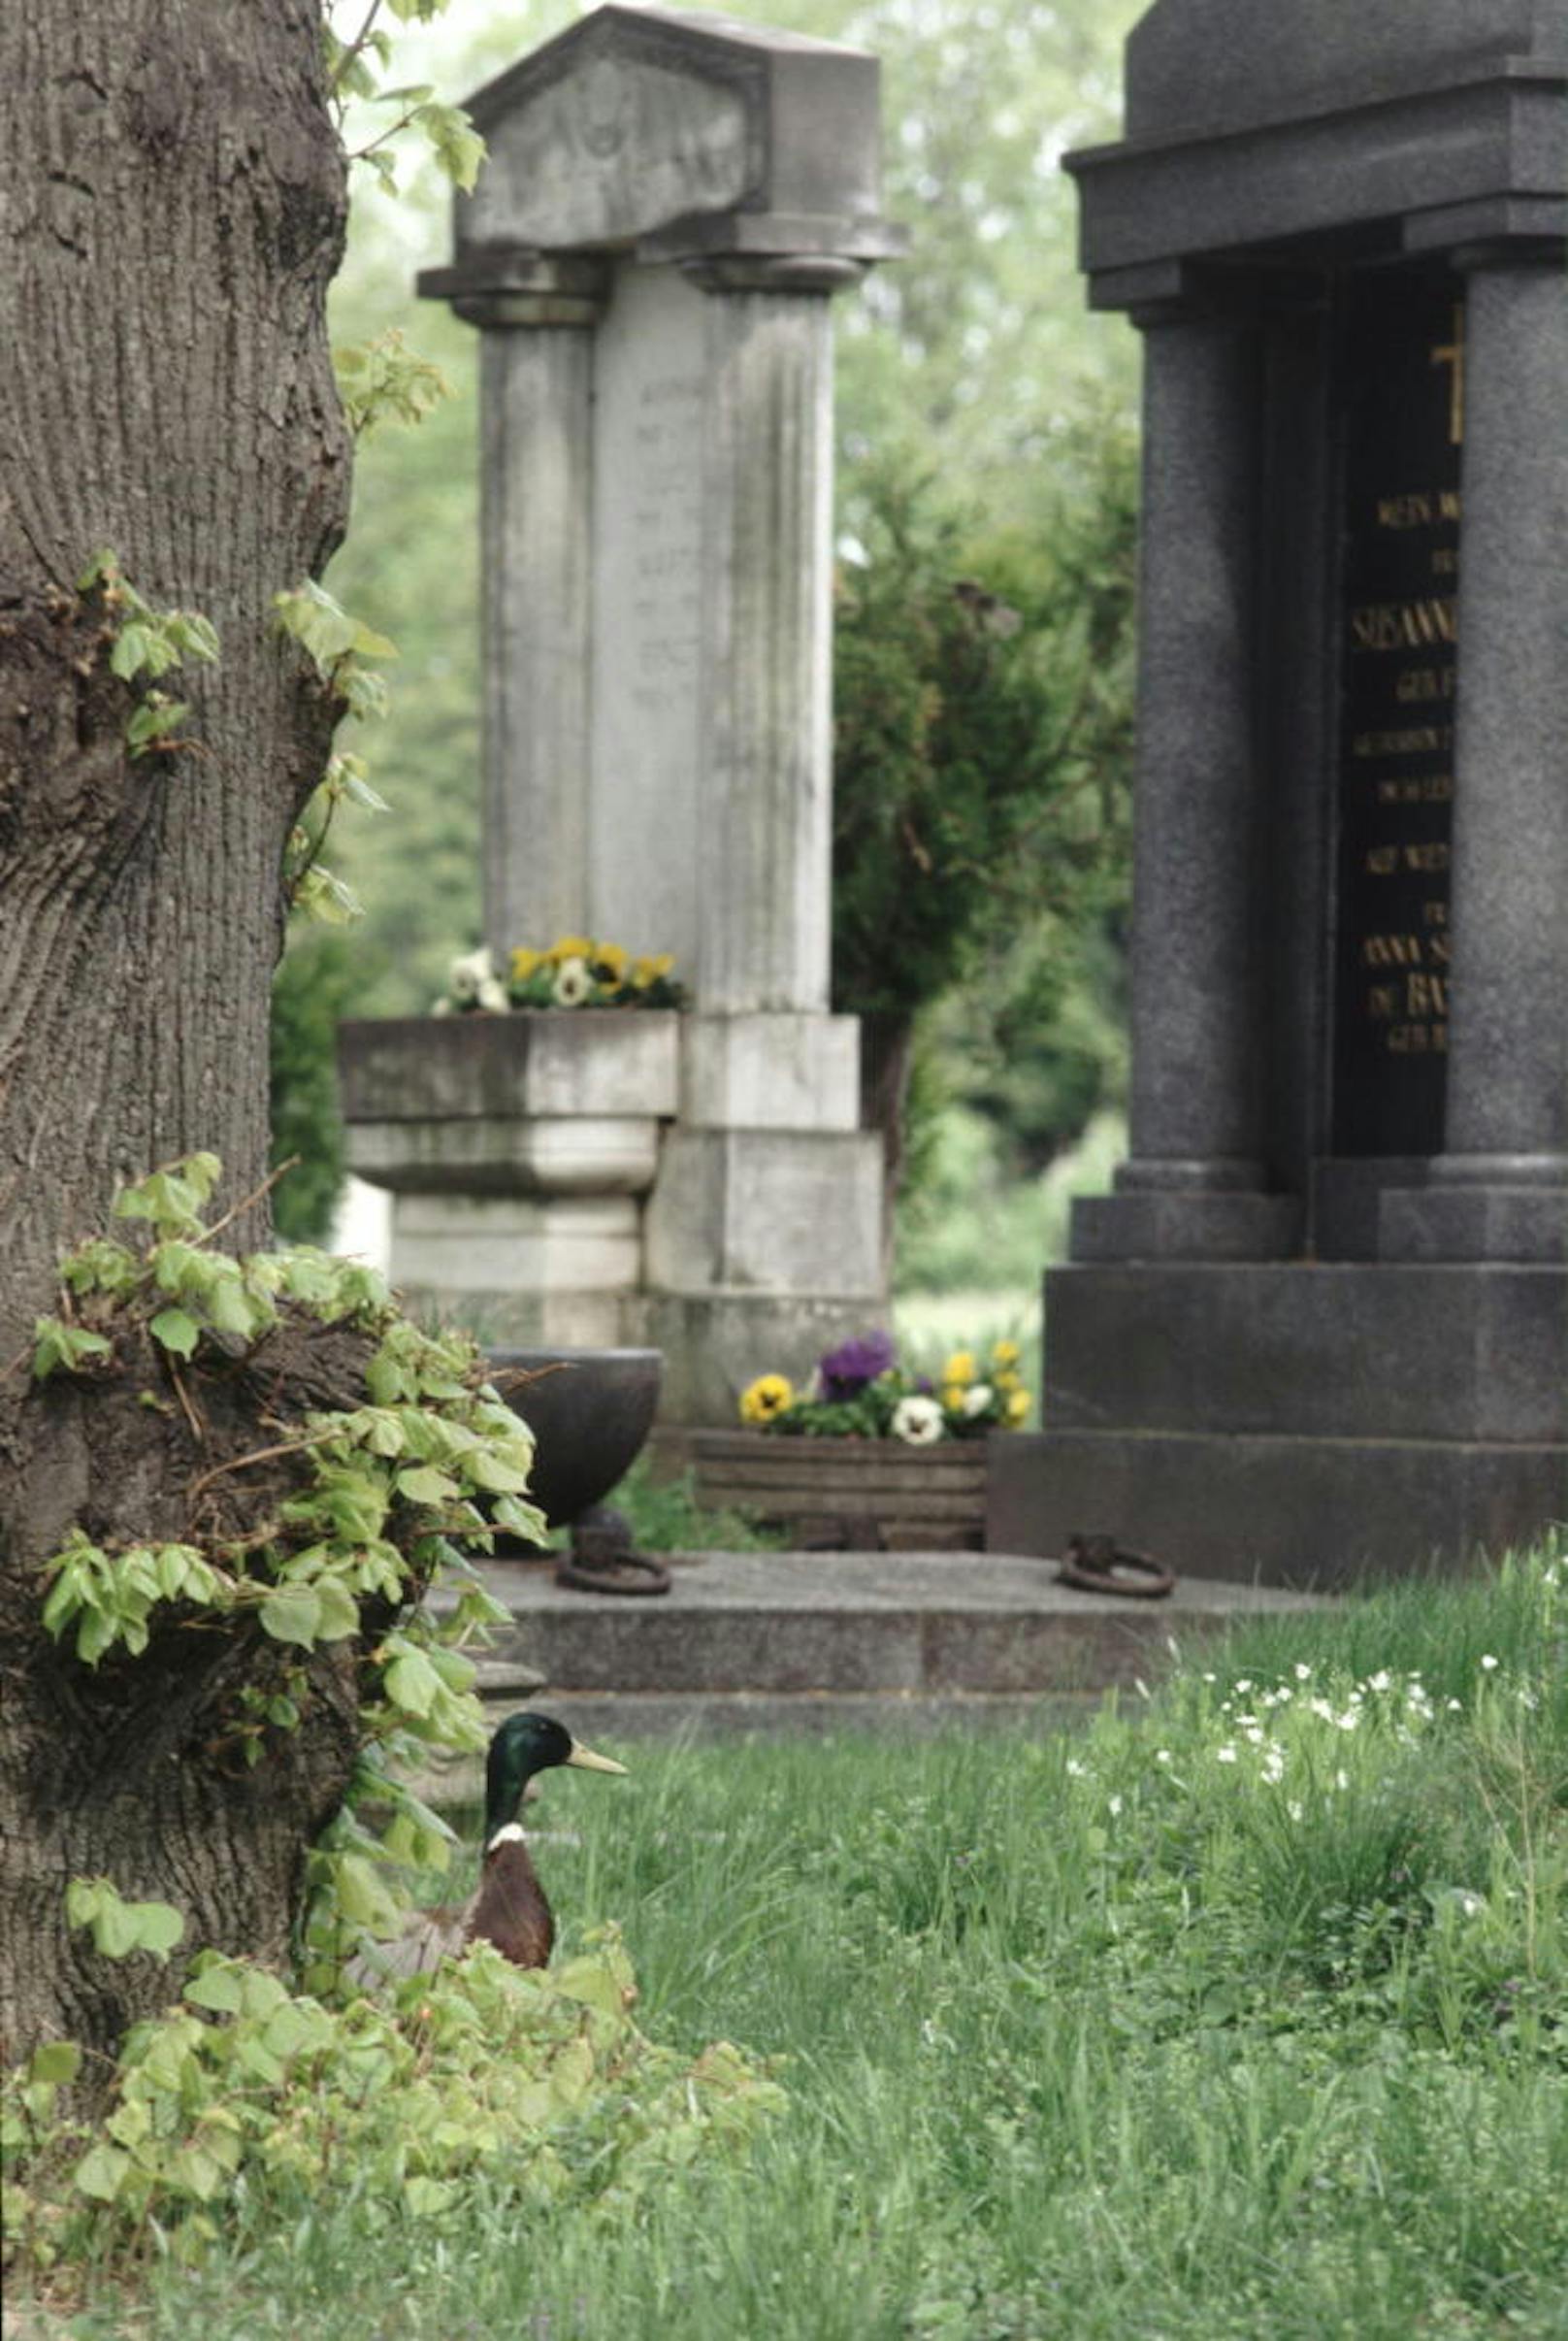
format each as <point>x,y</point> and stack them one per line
<point>173,456</point>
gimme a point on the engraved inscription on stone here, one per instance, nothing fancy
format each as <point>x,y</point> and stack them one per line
<point>648,424</point>
<point>1403,397</point>
<point>611,151</point>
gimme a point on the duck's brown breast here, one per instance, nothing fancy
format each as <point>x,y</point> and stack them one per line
<point>511,1910</point>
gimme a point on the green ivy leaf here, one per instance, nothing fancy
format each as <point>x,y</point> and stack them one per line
<point>425,1485</point>
<point>411,1681</point>
<point>339,1611</point>
<point>216,1988</point>
<point>101,2173</point>
<point>120,1928</point>
<point>176,1330</point>
<point>61,1346</point>
<point>293,1614</point>
<point>57,2062</point>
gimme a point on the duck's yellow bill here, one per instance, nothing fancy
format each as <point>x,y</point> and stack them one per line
<point>587,1761</point>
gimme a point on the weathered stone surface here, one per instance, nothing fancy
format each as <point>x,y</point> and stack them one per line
<point>484,1246</point>
<point>769,1073</point>
<point>638,118</point>
<point>768,1210</point>
<point>582,1154</point>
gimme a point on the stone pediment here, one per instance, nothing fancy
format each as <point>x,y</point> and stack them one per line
<point>1204,65</point>
<point>638,118</point>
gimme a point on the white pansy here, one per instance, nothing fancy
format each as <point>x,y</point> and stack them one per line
<point>467,974</point>
<point>977,1398</point>
<point>492,993</point>
<point>917,1421</point>
<point>572,983</point>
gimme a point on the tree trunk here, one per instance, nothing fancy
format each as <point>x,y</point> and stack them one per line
<point>887,1052</point>
<point>172,206</point>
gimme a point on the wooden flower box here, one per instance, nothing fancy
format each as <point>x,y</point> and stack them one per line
<point>857,1495</point>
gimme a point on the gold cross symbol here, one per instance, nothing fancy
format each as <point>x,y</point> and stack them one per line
<point>1451,353</point>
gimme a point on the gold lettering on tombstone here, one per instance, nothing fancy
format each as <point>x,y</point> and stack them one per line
<point>1452,355</point>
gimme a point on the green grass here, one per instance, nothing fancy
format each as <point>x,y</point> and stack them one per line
<point>1243,2014</point>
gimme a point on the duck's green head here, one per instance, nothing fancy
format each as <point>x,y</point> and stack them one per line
<point>526,1744</point>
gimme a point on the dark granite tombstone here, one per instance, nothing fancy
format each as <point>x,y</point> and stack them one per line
<point>1322,1326</point>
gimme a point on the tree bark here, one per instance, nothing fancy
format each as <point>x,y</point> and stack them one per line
<point>887,1054</point>
<point>172,206</point>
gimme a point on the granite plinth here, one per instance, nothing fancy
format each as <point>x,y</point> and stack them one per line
<point>1468,1352</point>
<point>1310,1512</point>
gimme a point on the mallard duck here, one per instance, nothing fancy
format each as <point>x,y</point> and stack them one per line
<point>509,1908</point>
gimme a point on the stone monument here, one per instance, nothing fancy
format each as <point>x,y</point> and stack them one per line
<point>669,203</point>
<point>1322,1325</point>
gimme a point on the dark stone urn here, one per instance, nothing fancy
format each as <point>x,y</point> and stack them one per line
<point>590,1411</point>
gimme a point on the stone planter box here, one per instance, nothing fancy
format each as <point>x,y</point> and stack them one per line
<point>537,1102</point>
<point>863,1494</point>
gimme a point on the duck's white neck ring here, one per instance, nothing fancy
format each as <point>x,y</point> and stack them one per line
<point>510,1835</point>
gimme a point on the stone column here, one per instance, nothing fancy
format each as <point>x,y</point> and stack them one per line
<point>535,375</point>
<point>766,634</point>
<point>1193,1187</point>
<point>1500,1188</point>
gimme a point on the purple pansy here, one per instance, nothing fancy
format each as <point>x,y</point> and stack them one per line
<point>846,1370</point>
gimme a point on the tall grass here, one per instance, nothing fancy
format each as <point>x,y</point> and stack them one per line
<point>1243,2014</point>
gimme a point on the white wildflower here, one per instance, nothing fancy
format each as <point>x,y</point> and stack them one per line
<point>1224,1755</point>
<point>1162,1755</point>
<point>1303,1673</point>
<point>1076,1771</point>
<point>1489,1663</point>
<point>1379,1681</point>
<point>1294,1808</point>
<point>1114,1806</point>
<point>1342,1780</point>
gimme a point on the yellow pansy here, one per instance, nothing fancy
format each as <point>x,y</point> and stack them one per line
<point>1018,1406</point>
<point>953,1397</point>
<point>648,970</point>
<point>960,1366</point>
<point>1008,1379</point>
<point>1005,1354</point>
<point>570,946</point>
<point>766,1396</point>
<point>525,963</point>
<point>609,961</point>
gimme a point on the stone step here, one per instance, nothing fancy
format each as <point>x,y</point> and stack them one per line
<point>810,1642</point>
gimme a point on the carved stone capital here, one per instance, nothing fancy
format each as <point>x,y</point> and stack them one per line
<point>505,289</point>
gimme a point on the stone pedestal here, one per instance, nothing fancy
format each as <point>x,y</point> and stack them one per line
<point>649,254</point>
<point>1322,1327</point>
<point>518,1149</point>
